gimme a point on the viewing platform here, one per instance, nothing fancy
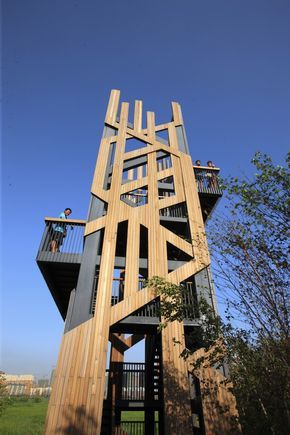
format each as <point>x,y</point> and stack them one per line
<point>61,269</point>
<point>209,189</point>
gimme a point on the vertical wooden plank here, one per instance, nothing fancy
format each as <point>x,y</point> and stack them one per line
<point>156,260</point>
<point>176,390</point>
<point>112,109</point>
<point>138,116</point>
<point>176,114</point>
<point>132,255</point>
<point>102,313</point>
<point>116,356</point>
<point>131,174</point>
<point>99,173</point>
<point>140,172</point>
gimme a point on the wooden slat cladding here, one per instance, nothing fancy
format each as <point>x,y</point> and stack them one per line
<point>215,388</point>
<point>76,403</point>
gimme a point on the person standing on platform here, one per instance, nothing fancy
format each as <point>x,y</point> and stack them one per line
<point>59,231</point>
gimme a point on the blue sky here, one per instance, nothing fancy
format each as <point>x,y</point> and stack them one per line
<point>227,62</point>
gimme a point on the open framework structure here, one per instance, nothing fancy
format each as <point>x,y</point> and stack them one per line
<point>146,218</point>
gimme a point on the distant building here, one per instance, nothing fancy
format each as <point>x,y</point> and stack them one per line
<point>43,383</point>
<point>40,391</point>
<point>19,385</point>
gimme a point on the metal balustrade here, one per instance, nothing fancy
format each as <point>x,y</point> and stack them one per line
<point>190,300</point>
<point>149,310</point>
<point>153,308</point>
<point>131,381</point>
<point>141,283</point>
<point>134,428</point>
<point>135,199</point>
<point>117,296</point>
<point>207,180</point>
<point>207,183</point>
<point>117,290</point>
<point>178,211</point>
<point>62,236</point>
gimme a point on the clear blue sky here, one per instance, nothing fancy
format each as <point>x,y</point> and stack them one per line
<point>227,62</point>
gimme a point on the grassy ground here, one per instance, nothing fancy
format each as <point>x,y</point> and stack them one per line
<point>24,417</point>
<point>132,416</point>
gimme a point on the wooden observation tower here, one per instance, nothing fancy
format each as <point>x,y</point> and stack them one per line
<point>146,218</point>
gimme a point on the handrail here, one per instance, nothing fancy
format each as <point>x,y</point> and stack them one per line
<point>212,168</point>
<point>68,221</point>
<point>207,180</point>
<point>59,239</point>
<point>118,286</point>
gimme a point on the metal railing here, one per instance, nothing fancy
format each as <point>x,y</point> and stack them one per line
<point>179,211</point>
<point>117,290</point>
<point>64,236</point>
<point>190,300</point>
<point>134,428</point>
<point>130,381</point>
<point>117,296</point>
<point>164,162</point>
<point>141,283</point>
<point>153,308</point>
<point>207,180</point>
<point>150,310</point>
<point>133,381</point>
<point>135,199</point>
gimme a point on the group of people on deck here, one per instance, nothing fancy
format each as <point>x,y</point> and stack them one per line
<point>206,179</point>
<point>209,163</point>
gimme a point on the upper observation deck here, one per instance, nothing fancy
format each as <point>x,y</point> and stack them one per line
<point>209,189</point>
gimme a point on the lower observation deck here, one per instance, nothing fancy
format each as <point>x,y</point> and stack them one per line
<point>61,269</point>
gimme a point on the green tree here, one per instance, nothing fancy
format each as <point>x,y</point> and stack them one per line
<point>251,256</point>
<point>4,401</point>
<point>250,249</point>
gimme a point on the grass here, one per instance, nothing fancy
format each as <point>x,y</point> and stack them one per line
<point>24,417</point>
<point>27,416</point>
<point>132,416</point>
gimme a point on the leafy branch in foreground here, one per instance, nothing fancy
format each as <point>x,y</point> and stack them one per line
<point>250,248</point>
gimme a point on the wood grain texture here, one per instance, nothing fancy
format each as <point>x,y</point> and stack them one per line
<point>218,403</point>
<point>112,107</point>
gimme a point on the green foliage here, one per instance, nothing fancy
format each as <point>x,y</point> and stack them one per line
<point>4,400</point>
<point>23,399</point>
<point>250,247</point>
<point>37,399</point>
<point>172,295</point>
<point>251,252</point>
